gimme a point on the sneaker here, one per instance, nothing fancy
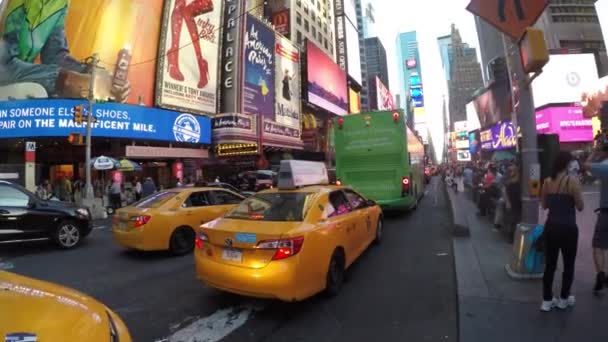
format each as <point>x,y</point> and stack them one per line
<point>600,280</point>
<point>565,303</point>
<point>547,305</point>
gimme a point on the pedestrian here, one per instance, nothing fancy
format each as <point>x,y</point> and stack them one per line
<point>43,190</point>
<point>561,195</point>
<point>148,188</point>
<point>138,188</point>
<point>178,183</point>
<point>598,165</point>
<point>116,194</point>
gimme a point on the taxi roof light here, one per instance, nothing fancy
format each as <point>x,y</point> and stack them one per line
<point>295,174</point>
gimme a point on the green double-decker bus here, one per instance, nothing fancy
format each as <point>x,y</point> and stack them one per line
<point>380,156</point>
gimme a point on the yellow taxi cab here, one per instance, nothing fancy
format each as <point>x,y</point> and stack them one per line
<point>33,310</point>
<point>166,220</point>
<point>291,242</point>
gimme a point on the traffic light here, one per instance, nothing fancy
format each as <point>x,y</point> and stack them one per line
<point>75,139</point>
<point>78,117</point>
<point>534,53</point>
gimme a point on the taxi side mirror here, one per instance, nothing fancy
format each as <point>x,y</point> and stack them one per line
<point>370,203</point>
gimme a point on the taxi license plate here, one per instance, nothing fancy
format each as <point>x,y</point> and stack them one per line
<point>232,255</point>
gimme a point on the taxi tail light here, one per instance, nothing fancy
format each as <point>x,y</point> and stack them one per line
<point>200,239</point>
<point>285,248</point>
<point>405,185</point>
<point>139,221</point>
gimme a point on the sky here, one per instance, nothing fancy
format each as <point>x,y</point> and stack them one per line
<point>431,19</point>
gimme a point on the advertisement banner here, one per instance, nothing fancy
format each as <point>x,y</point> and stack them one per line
<point>500,137</point>
<point>486,108</point>
<point>258,61</point>
<point>384,96</point>
<point>567,122</point>
<point>326,81</point>
<point>287,61</point>
<point>231,78</point>
<point>341,42</point>
<point>474,143</point>
<point>419,115</point>
<point>354,101</point>
<point>188,56</point>
<point>44,37</point>
<point>280,20</point>
<point>54,118</point>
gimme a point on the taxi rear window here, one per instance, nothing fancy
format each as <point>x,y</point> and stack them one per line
<point>156,200</point>
<point>276,206</point>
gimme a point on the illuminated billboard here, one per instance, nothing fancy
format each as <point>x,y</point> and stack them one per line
<point>384,98</point>
<point>411,63</point>
<point>326,84</point>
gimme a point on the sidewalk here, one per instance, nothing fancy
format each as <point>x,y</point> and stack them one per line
<point>495,307</point>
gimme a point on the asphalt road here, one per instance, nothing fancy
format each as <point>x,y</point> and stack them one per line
<point>402,290</point>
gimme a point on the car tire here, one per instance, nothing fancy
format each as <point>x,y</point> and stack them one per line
<point>182,241</point>
<point>336,273</point>
<point>67,235</point>
<point>379,231</point>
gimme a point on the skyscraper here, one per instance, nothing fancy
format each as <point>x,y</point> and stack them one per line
<point>369,20</point>
<point>375,55</point>
<point>407,51</point>
<point>574,24</point>
<point>364,82</point>
<point>445,51</point>
<point>465,77</point>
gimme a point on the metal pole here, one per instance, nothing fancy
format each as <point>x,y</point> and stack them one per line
<point>526,119</point>
<point>89,186</point>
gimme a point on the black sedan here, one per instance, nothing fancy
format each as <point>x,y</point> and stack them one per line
<point>23,216</point>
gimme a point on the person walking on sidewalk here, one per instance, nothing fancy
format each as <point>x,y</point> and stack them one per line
<point>598,165</point>
<point>561,194</point>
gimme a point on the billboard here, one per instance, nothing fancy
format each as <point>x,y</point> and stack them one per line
<point>259,69</point>
<point>326,84</point>
<point>46,37</point>
<point>411,63</point>
<point>280,20</point>
<point>472,118</point>
<point>415,79</point>
<point>501,136</point>
<point>189,57</point>
<point>474,143</point>
<point>53,118</point>
<point>460,126</point>
<point>354,101</point>
<point>384,98</point>
<point>486,108</point>
<point>419,115</point>
<point>352,51</point>
<point>287,83</point>
<point>567,122</point>
<point>463,155</point>
<point>565,78</point>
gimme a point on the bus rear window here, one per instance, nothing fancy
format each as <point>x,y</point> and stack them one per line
<point>155,200</point>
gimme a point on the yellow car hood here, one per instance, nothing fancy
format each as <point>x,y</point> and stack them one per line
<point>50,312</point>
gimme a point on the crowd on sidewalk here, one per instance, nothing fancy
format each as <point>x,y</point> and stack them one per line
<point>496,189</point>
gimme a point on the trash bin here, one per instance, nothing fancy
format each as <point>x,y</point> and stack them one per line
<point>528,261</point>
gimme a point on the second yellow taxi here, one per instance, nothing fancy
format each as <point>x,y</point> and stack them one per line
<point>166,220</point>
<point>288,243</point>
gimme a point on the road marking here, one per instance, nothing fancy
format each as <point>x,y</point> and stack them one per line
<point>441,254</point>
<point>99,227</point>
<point>215,327</point>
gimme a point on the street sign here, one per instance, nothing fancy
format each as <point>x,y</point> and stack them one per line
<point>511,17</point>
<point>30,146</point>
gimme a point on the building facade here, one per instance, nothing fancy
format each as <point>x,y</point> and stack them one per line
<point>407,50</point>
<point>306,19</point>
<point>574,24</point>
<point>465,77</point>
<point>445,52</point>
<point>375,55</point>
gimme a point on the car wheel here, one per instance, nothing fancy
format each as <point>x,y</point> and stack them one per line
<point>182,241</point>
<point>67,235</point>
<point>379,231</point>
<point>335,273</point>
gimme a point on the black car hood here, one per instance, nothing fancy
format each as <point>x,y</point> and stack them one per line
<point>58,205</point>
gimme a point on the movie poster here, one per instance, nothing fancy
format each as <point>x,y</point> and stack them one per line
<point>45,43</point>
<point>189,56</point>
<point>258,93</point>
<point>287,83</point>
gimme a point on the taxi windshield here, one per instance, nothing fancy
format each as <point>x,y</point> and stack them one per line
<point>276,206</point>
<point>156,200</point>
